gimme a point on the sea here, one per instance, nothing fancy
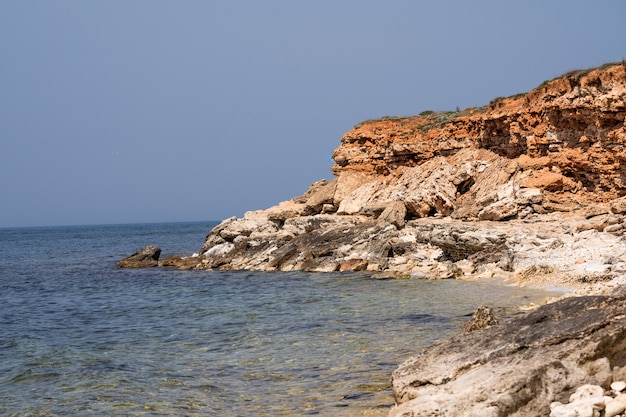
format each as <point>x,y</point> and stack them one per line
<point>81,337</point>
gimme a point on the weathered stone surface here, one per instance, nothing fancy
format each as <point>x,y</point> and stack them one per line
<point>145,257</point>
<point>394,213</point>
<point>618,386</point>
<point>181,262</point>
<point>542,249</point>
<point>589,400</point>
<point>483,317</point>
<point>613,408</point>
<point>618,205</point>
<point>518,367</point>
<point>319,194</point>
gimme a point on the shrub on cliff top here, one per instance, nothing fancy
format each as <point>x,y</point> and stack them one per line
<point>499,99</point>
<point>439,118</point>
<point>380,119</point>
<point>577,74</point>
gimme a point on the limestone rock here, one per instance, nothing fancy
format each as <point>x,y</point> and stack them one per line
<point>394,213</point>
<point>145,257</point>
<point>621,398</point>
<point>499,210</point>
<point>360,198</point>
<point>613,408</point>
<point>587,400</point>
<point>503,371</point>
<point>425,190</point>
<point>565,136</point>
<point>347,182</point>
<point>618,386</point>
<point>319,194</point>
<point>618,205</point>
<point>594,394</point>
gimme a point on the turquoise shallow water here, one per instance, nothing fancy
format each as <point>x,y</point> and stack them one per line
<point>79,337</point>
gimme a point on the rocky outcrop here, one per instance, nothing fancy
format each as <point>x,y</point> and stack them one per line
<point>520,366</point>
<point>557,248</point>
<point>547,155</point>
<point>147,256</point>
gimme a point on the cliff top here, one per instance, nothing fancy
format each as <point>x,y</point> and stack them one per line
<point>604,74</point>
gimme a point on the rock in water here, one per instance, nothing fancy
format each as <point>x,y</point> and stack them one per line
<point>144,257</point>
<point>483,317</point>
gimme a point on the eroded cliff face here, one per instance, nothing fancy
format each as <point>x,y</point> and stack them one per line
<point>405,189</point>
<point>535,179</point>
<point>565,137</point>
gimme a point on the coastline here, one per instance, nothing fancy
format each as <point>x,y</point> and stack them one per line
<point>528,191</point>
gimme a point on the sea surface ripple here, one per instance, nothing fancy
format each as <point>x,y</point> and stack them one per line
<point>80,337</point>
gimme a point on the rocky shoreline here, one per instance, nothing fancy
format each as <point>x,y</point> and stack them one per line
<point>529,191</point>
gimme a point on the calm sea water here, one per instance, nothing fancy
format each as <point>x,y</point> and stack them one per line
<point>79,337</point>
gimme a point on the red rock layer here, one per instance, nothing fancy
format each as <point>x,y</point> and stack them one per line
<point>568,136</point>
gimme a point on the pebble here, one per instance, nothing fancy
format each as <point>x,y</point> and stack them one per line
<point>613,408</point>
<point>588,393</point>
<point>618,386</point>
<point>590,400</point>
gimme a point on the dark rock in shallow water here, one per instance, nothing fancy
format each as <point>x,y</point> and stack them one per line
<point>144,257</point>
<point>518,367</point>
<point>483,317</point>
<point>179,262</point>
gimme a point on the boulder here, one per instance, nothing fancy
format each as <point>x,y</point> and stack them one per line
<point>394,213</point>
<point>618,206</point>
<point>499,210</point>
<point>145,257</point>
<point>483,317</point>
<point>324,195</point>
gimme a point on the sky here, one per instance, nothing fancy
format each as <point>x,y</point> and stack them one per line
<point>133,111</point>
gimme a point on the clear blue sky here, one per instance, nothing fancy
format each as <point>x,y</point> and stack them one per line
<point>122,111</point>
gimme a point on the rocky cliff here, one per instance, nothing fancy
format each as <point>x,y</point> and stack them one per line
<point>566,138</point>
<point>407,192</point>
